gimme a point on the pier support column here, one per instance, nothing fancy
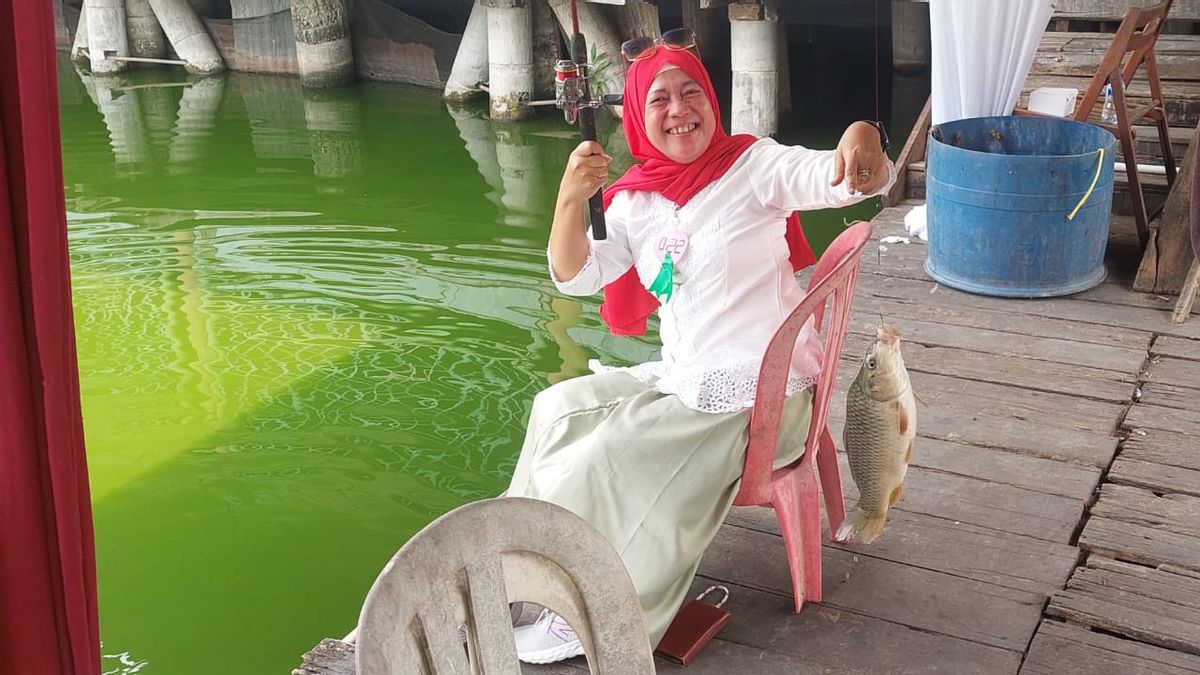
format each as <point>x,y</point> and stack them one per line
<point>146,37</point>
<point>79,46</point>
<point>106,35</point>
<point>910,36</point>
<point>637,19</point>
<point>187,35</point>
<point>545,48</point>
<point>207,7</point>
<point>602,38</point>
<point>754,57</point>
<point>470,67</point>
<point>510,58</point>
<point>62,35</point>
<point>323,52</point>
<point>705,25</point>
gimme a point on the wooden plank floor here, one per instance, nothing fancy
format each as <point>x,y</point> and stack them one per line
<point>1051,519</point>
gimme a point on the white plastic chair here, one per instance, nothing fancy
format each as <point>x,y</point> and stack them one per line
<point>467,566</point>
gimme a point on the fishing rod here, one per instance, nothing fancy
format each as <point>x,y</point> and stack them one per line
<point>572,95</point>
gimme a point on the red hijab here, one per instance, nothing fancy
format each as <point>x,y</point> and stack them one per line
<point>627,303</point>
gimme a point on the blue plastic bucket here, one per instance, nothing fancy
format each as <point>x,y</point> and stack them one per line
<point>999,191</point>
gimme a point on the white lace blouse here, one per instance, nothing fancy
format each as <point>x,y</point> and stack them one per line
<point>734,285</point>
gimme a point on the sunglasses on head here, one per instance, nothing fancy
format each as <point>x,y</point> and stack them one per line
<point>677,39</point>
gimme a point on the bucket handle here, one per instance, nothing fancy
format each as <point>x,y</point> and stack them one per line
<point>1099,167</point>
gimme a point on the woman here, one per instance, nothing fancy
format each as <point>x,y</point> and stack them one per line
<point>652,455</point>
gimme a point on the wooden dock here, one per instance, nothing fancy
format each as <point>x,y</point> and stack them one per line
<point>1050,521</point>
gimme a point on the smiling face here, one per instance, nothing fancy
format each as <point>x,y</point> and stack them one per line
<point>679,120</point>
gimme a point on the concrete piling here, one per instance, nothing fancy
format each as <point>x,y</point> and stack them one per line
<point>106,35</point>
<point>910,36</point>
<point>62,36</point>
<point>754,58</point>
<point>602,38</point>
<point>545,48</point>
<point>79,46</point>
<point>146,37</point>
<point>470,67</point>
<point>188,36</point>
<point>323,51</point>
<point>510,58</point>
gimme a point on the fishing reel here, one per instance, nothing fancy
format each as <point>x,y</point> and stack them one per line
<point>570,85</point>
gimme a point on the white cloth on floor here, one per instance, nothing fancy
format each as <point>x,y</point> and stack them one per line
<point>915,223</point>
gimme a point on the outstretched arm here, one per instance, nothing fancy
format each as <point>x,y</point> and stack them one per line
<point>795,178</point>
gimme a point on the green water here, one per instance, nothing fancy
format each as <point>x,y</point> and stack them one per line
<point>307,326</point>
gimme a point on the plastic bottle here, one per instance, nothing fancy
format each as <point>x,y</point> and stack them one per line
<point>1109,112</point>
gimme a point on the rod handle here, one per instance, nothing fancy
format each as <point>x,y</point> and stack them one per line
<point>587,132</point>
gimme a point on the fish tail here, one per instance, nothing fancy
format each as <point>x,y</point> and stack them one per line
<point>861,526</point>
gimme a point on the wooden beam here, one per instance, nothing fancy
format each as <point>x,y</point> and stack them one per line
<point>703,22</point>
<point>753,10</point>
<point>637,19</point>
<point>1169,252</point>
<point>1187,295</point>
<point>914,151</point>
<point>1114,10</point>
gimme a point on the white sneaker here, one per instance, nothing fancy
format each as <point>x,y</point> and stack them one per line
<point>547,640</point>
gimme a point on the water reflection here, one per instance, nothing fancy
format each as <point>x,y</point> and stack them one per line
<point>333,134</point>
<point>194,122</point>
<point>306,323</point>
<point>508,162</point>
<point>122,116</point>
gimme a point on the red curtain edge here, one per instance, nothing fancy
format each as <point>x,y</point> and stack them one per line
<point>31,149</point>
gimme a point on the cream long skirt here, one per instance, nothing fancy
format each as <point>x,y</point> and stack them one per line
<point>655,477</point>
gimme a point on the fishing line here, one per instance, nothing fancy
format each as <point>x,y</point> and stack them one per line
<point>877,117</point>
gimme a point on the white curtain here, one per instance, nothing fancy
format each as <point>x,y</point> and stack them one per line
<point>981,51</point>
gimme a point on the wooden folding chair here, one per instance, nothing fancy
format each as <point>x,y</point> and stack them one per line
<point>1131,47</point>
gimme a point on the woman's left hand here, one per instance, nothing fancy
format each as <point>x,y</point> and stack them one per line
<point>860,160</point>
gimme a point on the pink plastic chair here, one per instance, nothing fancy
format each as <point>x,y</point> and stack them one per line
<point>792,490</point>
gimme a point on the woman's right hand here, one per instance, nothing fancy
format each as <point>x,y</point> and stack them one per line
<point>586,172</point>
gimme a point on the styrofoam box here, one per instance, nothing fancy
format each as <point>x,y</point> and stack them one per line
<point>1057,101</point>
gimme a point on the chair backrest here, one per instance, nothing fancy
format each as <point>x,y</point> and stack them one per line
<point>465,567</point>
<point>832,283</point>
<point>1132,45</point>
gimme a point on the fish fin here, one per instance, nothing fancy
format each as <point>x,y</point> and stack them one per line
<point>858,525</point>
<point>908,455</point>
<point>902,415</point>
<point>895,496</point>
<point>886,334</point>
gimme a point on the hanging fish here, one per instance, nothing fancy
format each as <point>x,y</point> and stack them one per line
<point>881,424</point>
